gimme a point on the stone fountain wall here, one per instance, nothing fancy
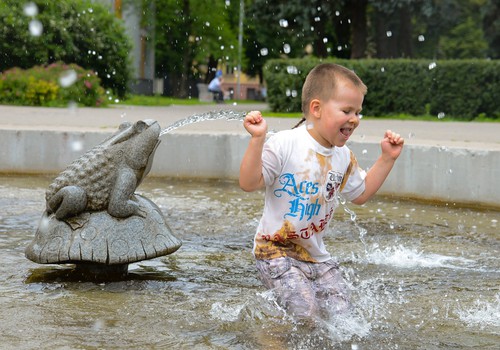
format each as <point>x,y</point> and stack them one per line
<point>462,175</point>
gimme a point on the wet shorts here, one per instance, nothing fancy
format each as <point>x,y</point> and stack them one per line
<point>305,289</point>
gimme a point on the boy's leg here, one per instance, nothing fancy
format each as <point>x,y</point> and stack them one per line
<point>294,289</point>
<point>331,289</point>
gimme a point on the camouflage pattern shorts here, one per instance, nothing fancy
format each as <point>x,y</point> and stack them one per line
<point>305,289</point>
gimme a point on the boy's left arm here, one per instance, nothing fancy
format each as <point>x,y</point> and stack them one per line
<point>392,144</point>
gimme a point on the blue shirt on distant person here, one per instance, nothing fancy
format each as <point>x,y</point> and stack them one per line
<point>215,87</point>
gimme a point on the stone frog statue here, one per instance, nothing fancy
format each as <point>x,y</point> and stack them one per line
<point>105,178</point>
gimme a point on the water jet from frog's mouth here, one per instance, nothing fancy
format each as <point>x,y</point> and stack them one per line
<point>213,115</point>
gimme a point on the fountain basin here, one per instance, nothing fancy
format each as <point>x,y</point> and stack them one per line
<point>425,276</point>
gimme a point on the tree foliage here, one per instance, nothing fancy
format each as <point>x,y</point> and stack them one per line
<point>192,36</point>
<point>79,31</point>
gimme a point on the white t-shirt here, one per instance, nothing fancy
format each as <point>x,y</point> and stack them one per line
<point>303,180</point>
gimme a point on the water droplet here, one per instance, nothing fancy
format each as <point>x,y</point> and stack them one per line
<point>441,115</point>
<point>388,33</point>
<point>339,48</point>
<point>432,65</point>
<point>382,69</point>
<point>207,24</point>
<point>30,9</point>
<point>264,51</point>
<point>292,70</point>
<point>35,27</point>
<point>317,19</point>
<point>68,78</point>
<point>222,47</point>
<point>421,38</point>
<point>76,146</point>
<point>283,23</point>
<point>286,48</point>
<point>325,40</point>
<point>91,10</point>
<point>294,93</point>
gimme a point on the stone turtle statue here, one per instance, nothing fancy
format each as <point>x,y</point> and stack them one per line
<point>93,217</point>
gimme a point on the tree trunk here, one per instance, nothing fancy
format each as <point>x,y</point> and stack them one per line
<point>186,56</point>
<point>359,32</point>
<point>405,33</point>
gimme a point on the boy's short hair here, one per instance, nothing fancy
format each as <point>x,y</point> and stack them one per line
<point>322,80</point>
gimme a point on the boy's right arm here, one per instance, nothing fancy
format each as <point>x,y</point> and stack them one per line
<point>251,177</point>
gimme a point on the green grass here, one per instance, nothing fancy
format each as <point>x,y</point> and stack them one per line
<point>159,101</point>
<point>162,101</point>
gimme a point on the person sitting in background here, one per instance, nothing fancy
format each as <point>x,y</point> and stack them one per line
<point>215,87</point>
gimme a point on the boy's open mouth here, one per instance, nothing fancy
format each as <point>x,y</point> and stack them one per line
<point>346,131</point>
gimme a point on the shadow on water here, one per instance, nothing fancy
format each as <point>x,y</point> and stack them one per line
<point>424,276</point>
<point>71,274</point>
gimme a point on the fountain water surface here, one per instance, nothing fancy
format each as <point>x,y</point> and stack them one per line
<point>425,277</point>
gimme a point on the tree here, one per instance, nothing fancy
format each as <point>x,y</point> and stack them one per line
<point>295,28</point>
<point>79,31</point>
<point>190,40</point>
<point>466,40</point>
<point>490,12</point>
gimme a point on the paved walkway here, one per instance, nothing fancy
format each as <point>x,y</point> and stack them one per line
<point>448,134</point>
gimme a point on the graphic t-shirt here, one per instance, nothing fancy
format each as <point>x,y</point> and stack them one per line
<point>303,181</point>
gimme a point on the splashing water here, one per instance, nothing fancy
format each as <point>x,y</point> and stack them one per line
<point>213,115</point>
<point>483,314</point>
<point>410,258</point>
<point>362,231</point>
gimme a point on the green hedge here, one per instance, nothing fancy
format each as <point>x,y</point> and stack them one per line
<point>57,84</point>
<point>461,89</point>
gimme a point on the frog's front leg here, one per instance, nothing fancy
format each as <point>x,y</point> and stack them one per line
<point>120,203</point>
<point>67,202</point>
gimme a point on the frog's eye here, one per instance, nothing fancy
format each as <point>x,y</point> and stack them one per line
<point>124,125</point>
<point>140,126</point>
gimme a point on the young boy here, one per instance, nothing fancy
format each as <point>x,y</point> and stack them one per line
<point>304,170</point>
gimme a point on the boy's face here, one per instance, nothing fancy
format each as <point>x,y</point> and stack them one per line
<point>335,119</point>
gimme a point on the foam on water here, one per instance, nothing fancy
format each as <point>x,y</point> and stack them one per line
<point>213,115</point>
